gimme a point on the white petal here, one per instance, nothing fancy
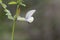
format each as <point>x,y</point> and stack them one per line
<point>30,13</point>
<point>30,20</point>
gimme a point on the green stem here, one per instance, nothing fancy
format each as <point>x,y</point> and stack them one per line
<point>14,22</point>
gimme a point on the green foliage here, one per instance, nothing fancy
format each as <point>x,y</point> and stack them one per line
<point>19,2</point>
<point>9,14</point>
<point>12,2</point>
<point>3,5</point>
<point>22,4</point>
<point>0,1</point>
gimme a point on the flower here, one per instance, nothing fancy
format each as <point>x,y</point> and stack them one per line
<point>29,18</point>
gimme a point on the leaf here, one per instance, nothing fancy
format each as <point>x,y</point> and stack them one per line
<point>12,2</point>
<point>22,4</point>
<point>7,12</point>
<point>3,5</point>
<point>10,17</point>
<point>0,1</point>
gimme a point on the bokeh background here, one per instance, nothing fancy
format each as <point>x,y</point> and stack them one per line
<point>46,25</point>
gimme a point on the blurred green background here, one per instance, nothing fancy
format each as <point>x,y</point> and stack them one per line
<point>46,25</point>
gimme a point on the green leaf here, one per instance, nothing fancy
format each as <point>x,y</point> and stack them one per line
<point>12,2</point>
<point>3,5</point>
<point>10,17</point>
<point>22,4</point>
<point>0,1</point>
<point>7,12</point>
